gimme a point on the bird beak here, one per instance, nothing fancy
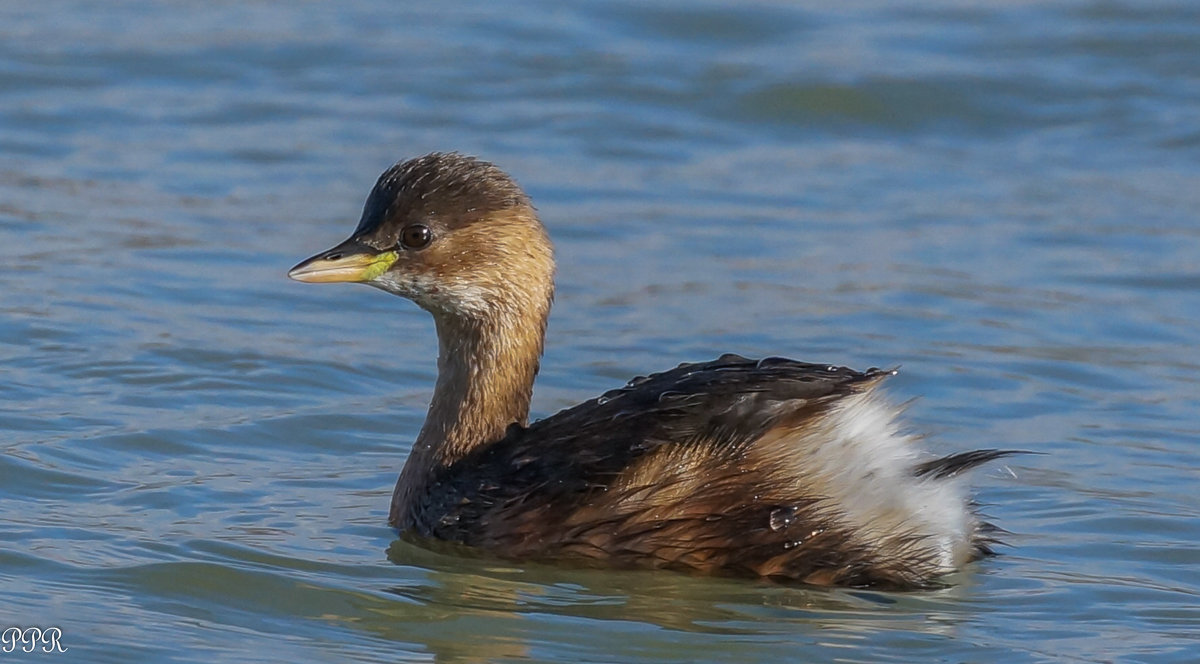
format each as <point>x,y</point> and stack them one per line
<point>349,261</point>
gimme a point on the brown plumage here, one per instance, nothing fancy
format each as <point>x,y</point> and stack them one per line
<point>769,468</point>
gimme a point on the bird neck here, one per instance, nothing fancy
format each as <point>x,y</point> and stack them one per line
<point>486,369</point>
<point>485,382</point>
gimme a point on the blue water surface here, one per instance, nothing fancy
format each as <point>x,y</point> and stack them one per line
<point>197,454</point>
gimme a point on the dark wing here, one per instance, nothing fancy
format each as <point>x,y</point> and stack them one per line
<point>950,466</point>
<point>551,468</point>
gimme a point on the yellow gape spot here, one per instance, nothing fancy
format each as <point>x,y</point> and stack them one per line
<point>379,265</point>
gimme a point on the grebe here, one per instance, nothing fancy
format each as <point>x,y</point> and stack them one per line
<point>769,468</point>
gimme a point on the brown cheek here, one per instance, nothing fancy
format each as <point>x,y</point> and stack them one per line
<point>445,264</point>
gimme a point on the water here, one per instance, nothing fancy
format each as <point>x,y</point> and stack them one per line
<point>197,453</point>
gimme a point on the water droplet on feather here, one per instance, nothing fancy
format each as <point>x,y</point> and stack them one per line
<point>782,517</point>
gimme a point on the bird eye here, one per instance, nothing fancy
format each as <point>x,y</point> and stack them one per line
<point>415,236</point>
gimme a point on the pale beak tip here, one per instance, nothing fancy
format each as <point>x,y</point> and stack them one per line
<point>298,273</point>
